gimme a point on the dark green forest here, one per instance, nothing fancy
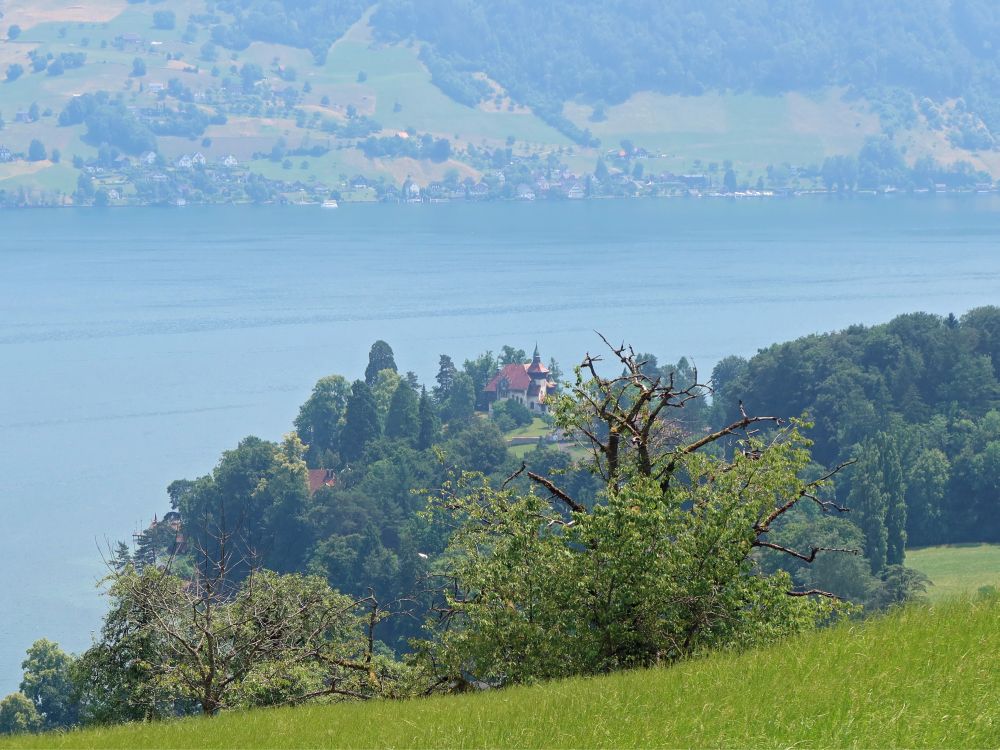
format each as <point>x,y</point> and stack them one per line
<point>546,53</point>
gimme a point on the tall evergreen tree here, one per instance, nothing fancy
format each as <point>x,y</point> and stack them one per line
<point>360,422</point>
<point>430,424</point>
<point>379,358</point>
<point>867,502</point>
<point>445,377</point>
<point>403,420</point>
<point>894,488</point>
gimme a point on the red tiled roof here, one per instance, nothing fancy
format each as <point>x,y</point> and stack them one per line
<point>516,375</point>
<point>538,367</point>
<point>319,478</point>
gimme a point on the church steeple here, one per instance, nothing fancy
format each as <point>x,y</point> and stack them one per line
<point>536,369</point>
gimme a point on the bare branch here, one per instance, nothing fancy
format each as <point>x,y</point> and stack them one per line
<point>556,492</point>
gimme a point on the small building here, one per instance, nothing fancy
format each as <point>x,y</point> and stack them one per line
<point>199,159</point>
<point>230,161</point>
<point>184,162</point>
<point>530,385</point>
<point>525,193</point>
<point>6,154</point>
<point>575,190</point>
<point>320,478</point>
<point>148,158</point>
<point>479,191</point>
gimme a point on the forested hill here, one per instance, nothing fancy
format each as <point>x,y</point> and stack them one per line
<point>918,398</point>
<point>606,50</point>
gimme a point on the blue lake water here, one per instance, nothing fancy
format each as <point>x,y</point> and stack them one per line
<point>137,344</point>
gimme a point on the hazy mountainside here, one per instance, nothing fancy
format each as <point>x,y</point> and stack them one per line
<point>547,52</point>
<point>306,95</point>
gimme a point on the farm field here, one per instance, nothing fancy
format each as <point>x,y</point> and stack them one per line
<point>923,677</point>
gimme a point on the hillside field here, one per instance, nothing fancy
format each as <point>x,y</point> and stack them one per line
<point>957,569</point>
<point>921,677</point>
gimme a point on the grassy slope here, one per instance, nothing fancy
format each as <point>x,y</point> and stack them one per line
<point>957,569</point>
<point>922,677</point>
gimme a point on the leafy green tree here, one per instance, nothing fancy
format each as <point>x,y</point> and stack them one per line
<point>164,20</point>
<point>14,71</point>
<point>380,357</point>
<point>18,715</point>
<point>13,32</point>
<point>211,647</point>
<point>138,68</point>
<point>403,419</point>
<point>253,499</point>
<point>511,356</point>
<point>361,425</point>
<point>430,424</point>
<point>461,402</point>
<point>925,495</point>
<point>383,388</point>
<point>318,422</point>
<point>478,446</point>
<point>659,568</point>
<point>47,682</point>
<point>481,370</point>
<point>36,151</point>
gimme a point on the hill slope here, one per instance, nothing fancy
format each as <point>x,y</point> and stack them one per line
<point>922,677</point>
<point>291,89</point>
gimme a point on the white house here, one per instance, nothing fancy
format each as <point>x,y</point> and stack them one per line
<point>529,385</point>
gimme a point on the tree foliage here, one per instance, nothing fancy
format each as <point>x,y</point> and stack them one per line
<point>660,567</point>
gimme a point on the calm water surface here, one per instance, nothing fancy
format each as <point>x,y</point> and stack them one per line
<point>137,344</point>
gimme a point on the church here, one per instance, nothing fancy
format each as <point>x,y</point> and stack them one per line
<point>529,385</point>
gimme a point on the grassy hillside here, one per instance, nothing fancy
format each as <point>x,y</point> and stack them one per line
<point>363,74</point>
<point>957,569</point>
<point>922,677</point>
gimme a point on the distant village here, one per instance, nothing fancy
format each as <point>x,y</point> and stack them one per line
<point>193,178</point>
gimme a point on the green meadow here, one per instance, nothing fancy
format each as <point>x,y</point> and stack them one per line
<point>957,569</point>
<point>921,677</point>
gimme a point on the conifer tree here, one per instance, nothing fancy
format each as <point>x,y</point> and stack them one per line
<point>445,377</point>
<point>867,501</point>
<point>403,419</point>
<point>895,493</point>
<point>360,423</point>
<point>430,425</point>
<point>379,358</point>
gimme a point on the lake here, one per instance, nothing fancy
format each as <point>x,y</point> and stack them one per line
<point>137,344</point>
